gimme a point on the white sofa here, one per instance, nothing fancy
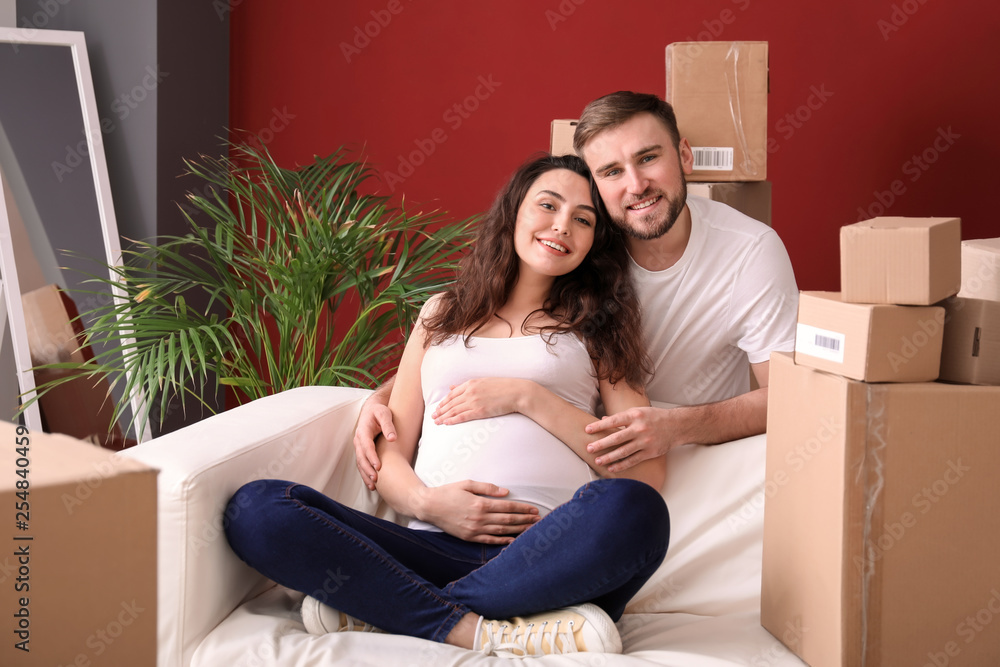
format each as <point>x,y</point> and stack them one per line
<point>701,609</point>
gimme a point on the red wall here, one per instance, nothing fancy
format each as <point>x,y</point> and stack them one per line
<point>896,74</point>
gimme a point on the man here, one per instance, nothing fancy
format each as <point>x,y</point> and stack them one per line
<point>716,286</point>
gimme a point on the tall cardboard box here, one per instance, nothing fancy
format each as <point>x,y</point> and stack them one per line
<point>81,407</point>
<point>981,269</point>
<point>905,261</point>
<point>751,199</point>
<point>561,137</point>
<point>80,554</point>
<point>719,93</point>
<point>971,350</point>
<point>882,520</point>
<point>870,342</point>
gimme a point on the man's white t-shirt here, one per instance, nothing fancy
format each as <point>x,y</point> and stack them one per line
<point>729,301</point>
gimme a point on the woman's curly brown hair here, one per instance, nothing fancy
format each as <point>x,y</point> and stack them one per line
<point>597,300</point>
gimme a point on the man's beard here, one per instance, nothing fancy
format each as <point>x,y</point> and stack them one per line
<point>651,228</point>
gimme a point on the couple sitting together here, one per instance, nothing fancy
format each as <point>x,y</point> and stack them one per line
<point>533,522</point>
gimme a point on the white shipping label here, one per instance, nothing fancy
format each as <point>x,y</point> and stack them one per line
<point>708,158</point>
<point>820,343</point>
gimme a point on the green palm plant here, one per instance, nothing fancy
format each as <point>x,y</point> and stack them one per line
<point>307,281</point>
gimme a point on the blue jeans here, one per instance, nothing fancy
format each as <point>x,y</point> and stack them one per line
<point>599,547</point>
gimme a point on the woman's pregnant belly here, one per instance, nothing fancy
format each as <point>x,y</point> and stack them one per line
<point>511,451</point>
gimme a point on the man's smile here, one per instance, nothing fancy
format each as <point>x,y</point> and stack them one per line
<point>645,203</point>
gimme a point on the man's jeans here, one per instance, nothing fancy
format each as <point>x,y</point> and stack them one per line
<point>599,547</point>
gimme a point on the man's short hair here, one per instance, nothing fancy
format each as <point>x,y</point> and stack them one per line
<point>615,109</point>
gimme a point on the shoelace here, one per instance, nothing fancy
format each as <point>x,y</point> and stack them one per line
<point>354,625</point>
<point>516,646</point>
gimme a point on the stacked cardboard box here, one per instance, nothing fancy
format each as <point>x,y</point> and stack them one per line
<point>883,326</point>
<point>981,269</point>
<point>883,523</point>
<point>751,199</point>
<point>971,344</point>
<point>561,137</point>
<point>972,324</point>
<point>719,93</point>
<point>912,261</point>
<point>869,342</point>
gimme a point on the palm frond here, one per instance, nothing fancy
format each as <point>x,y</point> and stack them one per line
<point>307,281</point>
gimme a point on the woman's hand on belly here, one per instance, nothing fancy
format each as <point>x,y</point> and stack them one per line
<point>481,398</point>
<point>471,511</point>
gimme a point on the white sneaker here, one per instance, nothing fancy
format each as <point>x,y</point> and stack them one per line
<point>320,619</point>
<point>570,630</point>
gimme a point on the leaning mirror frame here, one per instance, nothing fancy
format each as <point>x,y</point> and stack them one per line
<point>74,41</point>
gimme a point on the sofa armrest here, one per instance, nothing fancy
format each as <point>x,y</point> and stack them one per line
<point>304,435</point>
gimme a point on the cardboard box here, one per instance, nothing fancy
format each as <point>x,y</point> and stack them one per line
<point>719,94</point>
<point>51,337</point>
<point>751,199</point>
<point>81,568</point>
<point>981,269</point>
<point>881,520</point>
<point>870,342</point>
<point>906,261</point>
<point>971,351</point>
<point>81,407</point>
<point>561,137</point>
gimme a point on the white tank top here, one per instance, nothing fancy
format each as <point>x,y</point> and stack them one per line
<point>511,451</point>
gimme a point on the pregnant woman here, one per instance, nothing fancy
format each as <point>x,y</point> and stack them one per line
<point>519,545</point>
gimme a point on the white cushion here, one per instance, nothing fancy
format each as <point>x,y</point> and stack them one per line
<point>713,563</point>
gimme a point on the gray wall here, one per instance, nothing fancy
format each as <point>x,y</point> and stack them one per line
<point>193,42</point>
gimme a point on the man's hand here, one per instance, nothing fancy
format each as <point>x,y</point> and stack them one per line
<point>480,398</point>
<point>375,418</point>
<point>469,511</point>
<point>639,434</point>
<point>644,433</point>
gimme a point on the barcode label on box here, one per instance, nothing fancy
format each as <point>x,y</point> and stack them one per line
<point>821,343</point>
<point>708,158</point>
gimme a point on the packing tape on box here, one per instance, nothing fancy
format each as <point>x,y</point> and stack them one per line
<point>736,112</point>
<point>872,476</point>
